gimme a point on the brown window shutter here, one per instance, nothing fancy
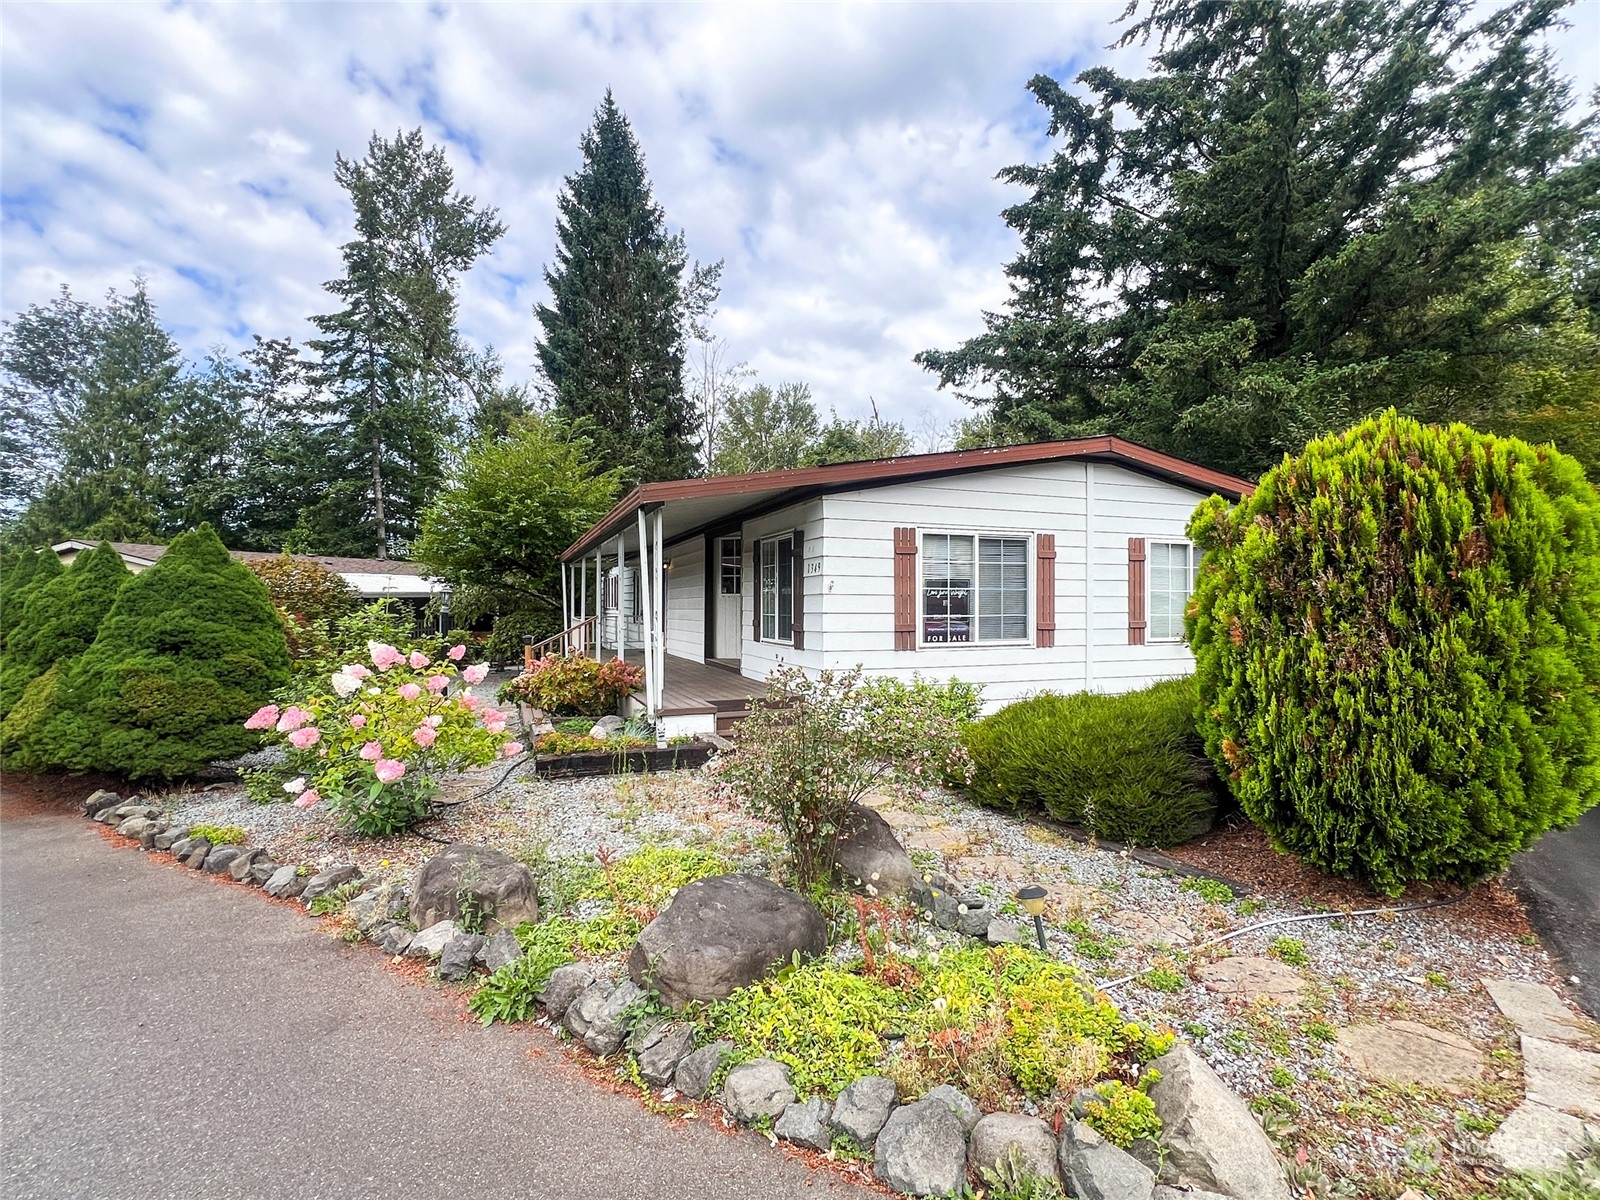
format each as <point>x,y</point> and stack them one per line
<point>1136,591</point>
<point>1045,591</point>
<point>799,589</point>
<point>905,589</point>
<point>755,589</point>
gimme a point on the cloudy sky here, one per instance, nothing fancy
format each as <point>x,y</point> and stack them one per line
<point>840,159</point>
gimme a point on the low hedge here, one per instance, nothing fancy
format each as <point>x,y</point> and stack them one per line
<point>1128,768</point>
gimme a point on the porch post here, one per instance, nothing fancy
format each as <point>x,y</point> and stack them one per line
<point>648,612</point>
<point>583,603</point>
<point>566,611</point>
<point>599,603</point>
<point>620,630</point>
<point>660,618</point>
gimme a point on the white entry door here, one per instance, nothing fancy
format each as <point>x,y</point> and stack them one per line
<point>729,619</point>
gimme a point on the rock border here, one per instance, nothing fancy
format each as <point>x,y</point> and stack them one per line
<point>931,1146</point>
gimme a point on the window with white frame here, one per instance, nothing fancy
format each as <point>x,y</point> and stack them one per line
<point>1172,570</point>
<point>732,566</point>
<point>777,589</point>
<point>974,589</point>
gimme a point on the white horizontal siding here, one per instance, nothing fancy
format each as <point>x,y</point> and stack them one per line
<point>686,601</point>
<point>758,658</point>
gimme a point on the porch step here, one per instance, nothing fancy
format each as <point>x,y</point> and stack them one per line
<point>728,718</point>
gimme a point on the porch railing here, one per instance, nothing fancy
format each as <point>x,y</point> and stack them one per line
<point>573,639</point>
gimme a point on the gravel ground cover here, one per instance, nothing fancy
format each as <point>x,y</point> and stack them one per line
<point>1139,930</point>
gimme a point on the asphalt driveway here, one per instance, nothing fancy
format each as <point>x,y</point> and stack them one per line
<point>1559,881</point>
<point>166,1035</point>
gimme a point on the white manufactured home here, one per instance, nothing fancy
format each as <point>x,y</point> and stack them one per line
<point>1059,566</point>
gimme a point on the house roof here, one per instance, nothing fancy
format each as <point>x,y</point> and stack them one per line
<point>147,552</point>
<point>698,505</point>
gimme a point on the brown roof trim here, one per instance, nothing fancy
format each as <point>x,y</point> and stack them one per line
<point>840,476</point>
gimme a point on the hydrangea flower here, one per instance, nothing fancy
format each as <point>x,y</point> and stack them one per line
<point>456,653</point>
<point>263,718</point>
<point>372,751</point>
<point>475,673</point>
<point>388,770</point>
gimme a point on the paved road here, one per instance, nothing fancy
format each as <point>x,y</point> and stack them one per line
<point>1560,881</point>
<point>166,1035</point>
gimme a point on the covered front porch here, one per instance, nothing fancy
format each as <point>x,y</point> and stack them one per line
<point>698,698</point>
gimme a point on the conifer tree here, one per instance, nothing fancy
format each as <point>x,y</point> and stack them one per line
<point>621,308</point>
<point>191,647</point>
<point>31,571</point>
<point>60,619</point>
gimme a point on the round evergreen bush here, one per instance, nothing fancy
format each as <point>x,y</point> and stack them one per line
<point>191,648</point>
<point>61,617</point>
<point>1398,649</point>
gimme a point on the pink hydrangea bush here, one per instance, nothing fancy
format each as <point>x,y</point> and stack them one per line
<point>373,742</point>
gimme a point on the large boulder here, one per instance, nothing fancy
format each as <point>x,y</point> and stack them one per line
<point>721,934</point>
<point>502,890</point>
<point>869,858</point>
<point>922,1150</point>
<point>1212,1140</point>
<point>995,1136</point>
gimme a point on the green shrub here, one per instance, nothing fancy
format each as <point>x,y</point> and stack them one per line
<point>1122,1114</point>
<point>309,598</point>
<point>189,650</point>
<point>218,835</point>
<point>61,616</point>
<point>959,701</point>
<point>21,741</point>
<point>32,570</point>
<point>1128,768</point>
<point>574,684</point>
<point>1398,648</point>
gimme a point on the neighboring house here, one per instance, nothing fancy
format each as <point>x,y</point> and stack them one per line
<point>372,578</point>
<point>1054,566</point>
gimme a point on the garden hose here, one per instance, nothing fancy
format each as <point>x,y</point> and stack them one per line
<point>1275,921</point>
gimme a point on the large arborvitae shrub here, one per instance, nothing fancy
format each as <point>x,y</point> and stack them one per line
<point>1398,646</point>
<point>191,648</point>
<point>29,573</point>
<point>61,616</point>
<point>1128,768</point>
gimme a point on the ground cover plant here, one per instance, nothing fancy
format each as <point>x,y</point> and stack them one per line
<point>371,742</point>
<point>190,648</point>
<point>1397,640</point>
<point>1128,768</point>
<point>818,745</point>
<point>574,685</point>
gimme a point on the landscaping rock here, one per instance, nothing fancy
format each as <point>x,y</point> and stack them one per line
<point>756,1089</point>
<point>1537,1138</point>
<point>958,1102</point>
<point>386,901</point>
<point>1562,1077</point>
<point>262,870</point>
<point>693,1076</point>
<point>721,934</point>
<point>500,950</point>
<point>149,812</point>
<point>456,959</point>
<point>608,1028</point>
<point>196,853</point>
<point>1153,929</point>
<point>1163,1192</point>
<point>133,827</point>
<point>973,915</point>
<point>168,838</point>
<point>430,942</point>
<point>285,883</point>
<point>394,938</point>
<point>869,858</point>
<point>239,868</point>
<point>324,882</point>
<point>502,889</point>
<point>99,801</point>
<point>108,816</point>
<point>995,1136</point>
<point>582,1012</point>
<point>806,1124</point>
<point>1536,1010</point>
<point>1251,979</point>
<point>1407,1052</point>
<point>1212,1140</point>
<point>1002,932</point>
<point>661,1050</point>
<point>221,858</point>
<point>922,1150</point>
<point>1094,1169</point>
<point>564,986</point>
<point>607,726</point>
<point>863,1107</point>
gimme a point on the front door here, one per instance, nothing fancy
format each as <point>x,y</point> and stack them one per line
<point>729,620</point>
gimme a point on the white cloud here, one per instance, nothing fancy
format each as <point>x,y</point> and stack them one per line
<point>841,159</point>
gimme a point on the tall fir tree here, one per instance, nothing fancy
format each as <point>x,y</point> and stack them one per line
<point>391,358</point>
<point>623,302</point>
<point>1304,213</point>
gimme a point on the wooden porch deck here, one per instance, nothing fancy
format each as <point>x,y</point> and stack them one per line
<point>693,687</point>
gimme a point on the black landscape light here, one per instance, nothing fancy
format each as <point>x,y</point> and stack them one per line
<point>1032,899</point>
